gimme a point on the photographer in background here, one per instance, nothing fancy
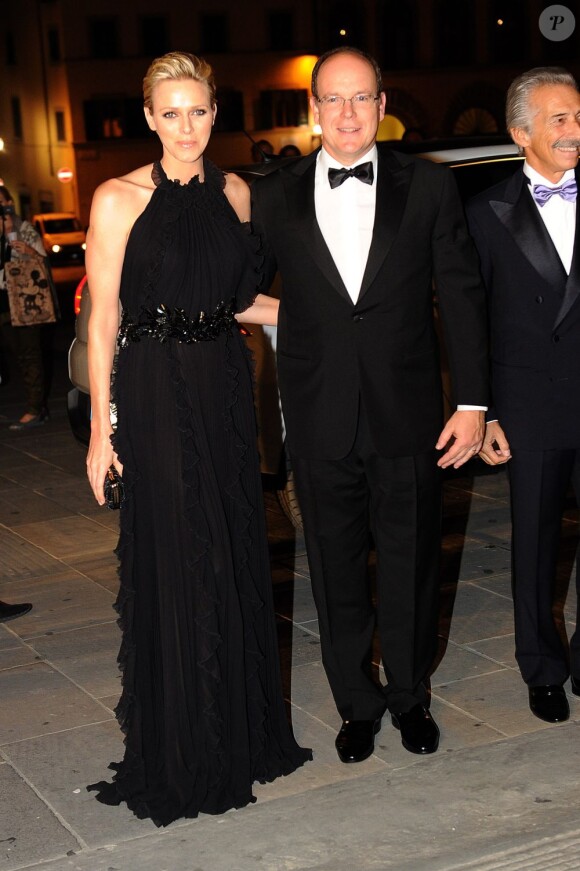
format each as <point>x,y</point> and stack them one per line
<point>18,238</point>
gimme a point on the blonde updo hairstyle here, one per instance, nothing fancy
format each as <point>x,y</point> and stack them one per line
<point>177,65</point>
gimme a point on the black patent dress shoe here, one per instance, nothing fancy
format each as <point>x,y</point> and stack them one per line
<point>575,684</point>
<point>356,739</point>
<point>549,703</point>
<point>11,612</point>
<point>419,731</point>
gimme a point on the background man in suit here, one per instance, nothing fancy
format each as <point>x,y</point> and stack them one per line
<point>526,230</point>
<point>357,235</point>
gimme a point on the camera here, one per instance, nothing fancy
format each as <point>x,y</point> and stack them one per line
<point>6,210</point>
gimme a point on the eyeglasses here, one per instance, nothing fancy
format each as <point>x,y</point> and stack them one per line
<point>359,101</point>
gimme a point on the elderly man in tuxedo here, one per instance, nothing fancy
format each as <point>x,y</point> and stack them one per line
<point>357,234</point>
<point>526,231</point>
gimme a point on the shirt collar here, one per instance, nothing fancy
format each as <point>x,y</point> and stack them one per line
<point>536,178</point>
<point>326,162</point>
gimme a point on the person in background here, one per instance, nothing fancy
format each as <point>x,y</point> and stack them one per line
<point>527,233</point>
<point>18,238</point>
<point>290,151</point>
<point>358,234</point>
<point>261,150</point>
<point>413,134</point>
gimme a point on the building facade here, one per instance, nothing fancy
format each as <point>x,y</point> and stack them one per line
<point>70,76</point>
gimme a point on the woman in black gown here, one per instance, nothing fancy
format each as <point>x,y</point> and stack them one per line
<point>202,707</point>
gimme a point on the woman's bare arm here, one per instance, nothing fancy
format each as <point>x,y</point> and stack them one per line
<point>112,216</point>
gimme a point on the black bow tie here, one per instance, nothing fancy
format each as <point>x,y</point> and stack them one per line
<point>364,172</point>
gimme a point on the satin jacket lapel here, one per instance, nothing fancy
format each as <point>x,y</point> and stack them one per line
<point>572,293</point>
<point>393,181</point>
<point>299,186</point>
<point>519,214</point>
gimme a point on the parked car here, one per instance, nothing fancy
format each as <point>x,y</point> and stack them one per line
<point>65,242</point>
<point>476,167</point>
<point>78,398</point>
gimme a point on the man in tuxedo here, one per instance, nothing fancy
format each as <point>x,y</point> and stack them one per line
<point>358,234</point>
<point>526,231</point>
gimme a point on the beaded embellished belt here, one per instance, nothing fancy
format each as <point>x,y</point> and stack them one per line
<point>163,324</point>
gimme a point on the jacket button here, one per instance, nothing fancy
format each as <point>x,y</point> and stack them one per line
<point>540,299</point>
<point>357,318</point>
<point>556,338</point>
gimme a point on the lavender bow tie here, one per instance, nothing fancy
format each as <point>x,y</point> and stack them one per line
<point>567,191</point>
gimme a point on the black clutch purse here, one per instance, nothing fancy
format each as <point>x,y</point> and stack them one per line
<point>114,489</point>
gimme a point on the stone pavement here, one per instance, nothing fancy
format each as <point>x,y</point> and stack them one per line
<point>501,793</point>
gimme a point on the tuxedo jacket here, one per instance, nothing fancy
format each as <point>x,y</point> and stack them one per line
<point>382,351</point>
<point>534,310</point>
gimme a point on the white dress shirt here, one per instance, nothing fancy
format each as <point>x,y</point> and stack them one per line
<point>558,215</point>
<point>346,217</point>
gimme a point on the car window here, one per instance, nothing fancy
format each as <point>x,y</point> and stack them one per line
<point>62,225</point>
<point>472,178</point>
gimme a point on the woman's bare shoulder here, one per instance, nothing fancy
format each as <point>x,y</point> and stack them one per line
<point>141,177</point>
<point>238,193</point>
<point>123,199</point>
<point>135,184</point>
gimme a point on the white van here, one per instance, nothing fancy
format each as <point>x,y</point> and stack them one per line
<point>65,242</point>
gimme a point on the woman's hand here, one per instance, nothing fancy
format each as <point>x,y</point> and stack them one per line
<point>22,247</point>
<point>100,456</point>
<point>263,311</point>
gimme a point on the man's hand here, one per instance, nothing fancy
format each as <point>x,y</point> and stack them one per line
<point>462,435</point>
<point>495,448</point>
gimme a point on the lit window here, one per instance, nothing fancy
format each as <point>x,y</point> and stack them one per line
<point>60,130</point>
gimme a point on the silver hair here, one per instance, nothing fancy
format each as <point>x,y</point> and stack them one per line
<point>518,112</point>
